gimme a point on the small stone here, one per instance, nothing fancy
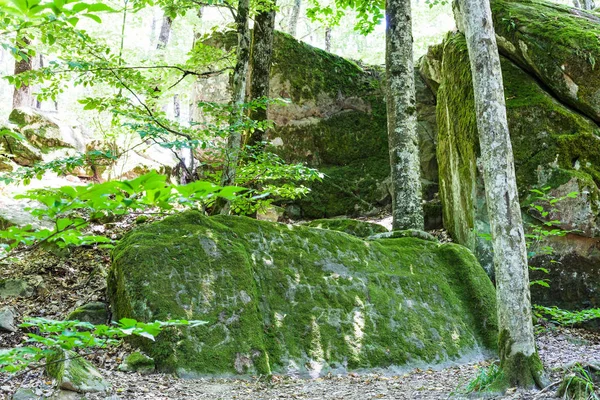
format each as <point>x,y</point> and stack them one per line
<point>25,394</point>
<point>75,373</point>
<point>65,395</point>
<point>7,319</point>
<point>138,362</point>
<point>95,313</point>
<point>15,288</point>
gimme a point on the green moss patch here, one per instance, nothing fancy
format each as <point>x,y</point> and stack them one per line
<point>552,144</point>
<point>294,299</point>
<point>352,227</point>
<point>556,43</point>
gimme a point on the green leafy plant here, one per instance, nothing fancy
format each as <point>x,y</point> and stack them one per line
<point>566,317</point>
<point>579,383</point>
<point>48,337</point>
<point>71,209</point>
<point>484,379</point>
<point>543,204</point>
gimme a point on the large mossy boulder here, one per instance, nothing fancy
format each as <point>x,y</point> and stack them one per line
<point>335,121</point>
<point>555,147</point>
<point>557,44</point>
<point>299,300</point>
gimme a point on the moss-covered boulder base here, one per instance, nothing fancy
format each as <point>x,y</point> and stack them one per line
<point>298,300</point>
<point>556,141</point>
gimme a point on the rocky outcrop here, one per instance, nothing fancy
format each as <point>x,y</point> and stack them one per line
<point>335,120</point>
<point>298,300</point>
<point>555,139</point>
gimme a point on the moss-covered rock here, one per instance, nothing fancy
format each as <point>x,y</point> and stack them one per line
<point>74,373</point>
<point>558,44</point>
<point>294,299</point>
<point>335,121</point>
<point>41,131</point>
<point>361,229</point>
<point>138,362</point>
<point>95,313</point>
<point>552,144</point>
<point>18,151</point>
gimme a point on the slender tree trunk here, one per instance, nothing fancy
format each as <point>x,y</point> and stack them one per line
<point>165,33</point>
<point>328,39</point>
<point>588,5</point>
<point>407,210</point>
<point>38,103</point>
<point>262,52</point>
<point>22,96</point>
<point>518,356</point>
<point>576,3</point>
<point>234,142</point>
<point>293,25</point>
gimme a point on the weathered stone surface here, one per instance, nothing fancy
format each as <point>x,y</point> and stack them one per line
<point>336,122</point>
<point>138,362</point>
<point>7,319</point>
<point>558,44</point>
<point>352,227</point>
<point>75,373</point>
<point>25,394</point>
<point>42,131</point>
<point>554,146</point>
<point>95,313</point>
<point>407,233</point>
<point>15,288</point>
<point>293,299</point>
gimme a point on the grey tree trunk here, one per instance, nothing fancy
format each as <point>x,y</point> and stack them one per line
<point>262,52</point>
<point>293,25</point>
<point>328,39</point>
<point>588,4</point>
<point>518,355</point>
<point>165,33</point>
<point>40,62</point>
<point>234,142</point>
<point>22,96</point>
<point>576,3</point>
<point>407,210</point>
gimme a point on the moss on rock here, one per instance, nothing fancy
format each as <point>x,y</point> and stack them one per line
<point>74,372</point>
<point>138,362</point>
<point>552,145</point>
<point>281,298</point>
<point>558,44</point>
<point>361,229</point>
<point>95,313</point>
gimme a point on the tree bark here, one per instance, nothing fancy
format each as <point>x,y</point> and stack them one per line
<point>407,210</point>
<point>588,5</point>
<point>293,25</point>
<point>262,54</point>
<point>518,356</point>
<point>22,96</point>
<point>576,3</point>
<point>165,33</point>
<point>328,39</point>
<point>234,141</point>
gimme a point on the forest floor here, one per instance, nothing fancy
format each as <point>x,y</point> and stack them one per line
<point>65,281</point>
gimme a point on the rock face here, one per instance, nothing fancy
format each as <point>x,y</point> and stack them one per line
<point>556,146</point>
<point>298,300</point>
<point>336,122</point>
